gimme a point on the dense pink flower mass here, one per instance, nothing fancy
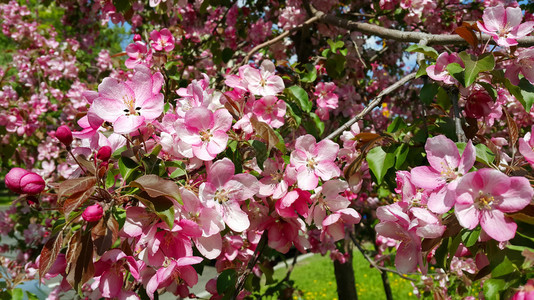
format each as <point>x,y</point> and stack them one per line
<point>504,25</point>
<point>129,105</point>
<point>313,160</point>
<point>485,196</point>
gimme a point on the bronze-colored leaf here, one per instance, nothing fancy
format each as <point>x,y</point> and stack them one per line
<point>72,186</point>
<point>513,130</point>
<point>467,34</point>
<point>265,132</point>
<point>233,107</point>
<point>104,234</point>
<point>525,215</point>
<point>366,137</point>
<point>156,186</point>
<point>87,165</point>
<point>80,268</point>
<point>76,200</point>
<point>49,254</point>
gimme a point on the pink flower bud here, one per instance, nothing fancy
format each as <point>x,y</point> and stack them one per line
<point>137,38</point>
<point>104,153</point>
<point>22,181</point>
<point>64,135</point>
<point>93,213</point>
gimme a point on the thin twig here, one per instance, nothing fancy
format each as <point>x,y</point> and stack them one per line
<point>251,263</point>
<point>457,119</point>
<point>273,41</point>
<point>374,103</point>
<point>370,260</point>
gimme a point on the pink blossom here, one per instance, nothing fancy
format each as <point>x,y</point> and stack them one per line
<point>334,224</point>
<point>446,166</point>
<point>524,64</point>
<point>110,269</point>
<point>270,110</point>
<point>138,55</point>
<point>206,131</point>
<point>439,71</point>
<point>263,82</point>
<point>327,199</point>
<point>504,25</point>
<point>225,192</point>
<point>128,105</point>
<point>485,196</point>
<point>295,201</point>
<point>175,276</point>
<point>162,39</point>
<point>326,98</point>
<point>526,146</point>
<point>313,160</point>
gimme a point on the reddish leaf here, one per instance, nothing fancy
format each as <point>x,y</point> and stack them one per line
<point>87,165</point>
<point>265,132</point>
<point>233,107</point>
<point>49,254</point>
<point>72,186</point>
<point>80,268</point>
<point>365,137</point>
<point>467,34</point>
<point>76,200</point>
<point>156,186</point>
<point>119,54</point>
<point>104,234</point>
<point>161,206</point>
<point>513,131</point>
<point>525,215</point>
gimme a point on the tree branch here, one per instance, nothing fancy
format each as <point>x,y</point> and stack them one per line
<point>404,36</point>
<point>374,103</point>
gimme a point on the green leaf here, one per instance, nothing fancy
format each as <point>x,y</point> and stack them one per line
<point>484,154</point>
<point>127,167</point>
<point>299,94</point>
<point>311,74</point>
<point>476,64</point>
<point>227,54</point>
<point>400,155</point>
<point>428,92</point>
<point>261,152</point>
<point>397,124</point>
<point>162,206</point>
<point>426,50</point>
<point>493,287</point>
<point>281,144</point>
<point>527,93</point>
<point>226,281</point>
<point>335,65</point>
<point>503,268</point>
<point>457,72</point>
<point>490,89</point>
<point>18,294</point>
<point>470,237</point>
<point>379,162</point>
<point>422,69</point>
<point>335,45</point>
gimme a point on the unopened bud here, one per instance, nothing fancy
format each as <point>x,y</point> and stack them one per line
<point>104,153</point>
<point>93,213</point>
<point>22,181</point>
<point>64,135</point>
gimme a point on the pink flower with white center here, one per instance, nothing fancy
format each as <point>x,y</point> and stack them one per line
<point>485,196</point>
<point>206,131</point>
<point>225,192</point>
<point>162,40</point>
<point>275,182</point>
<point>270,110</point>
<point>128,105</point>
<point>439,71</point>
<point>524,64</point>
<point>138,55</point>
<point>349,136</point>
<point>504,25</point>
<point>446,167</point>
<point>263,82</point>
<point>313,160</point>
<point>526,146</point>
<point>327,199</point>
<point>175,276</point>
<point>208,220</point>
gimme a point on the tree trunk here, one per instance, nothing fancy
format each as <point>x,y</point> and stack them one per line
<point>346,285</point>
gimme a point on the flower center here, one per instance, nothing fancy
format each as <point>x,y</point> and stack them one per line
<point>130,104</point>
<point>221,196</point>
<point>311,163</point>
<point>484,201</point>
<point>263,82</point>
<point>206,135</point>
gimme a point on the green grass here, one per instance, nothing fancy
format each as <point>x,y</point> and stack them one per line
<point>315,279</point>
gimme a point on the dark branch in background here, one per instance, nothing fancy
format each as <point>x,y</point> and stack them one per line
<point>404,36</point>
<point>457,118</point>
<point>374,103</point>
<point>273,41</point>
<point>251,263</point>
